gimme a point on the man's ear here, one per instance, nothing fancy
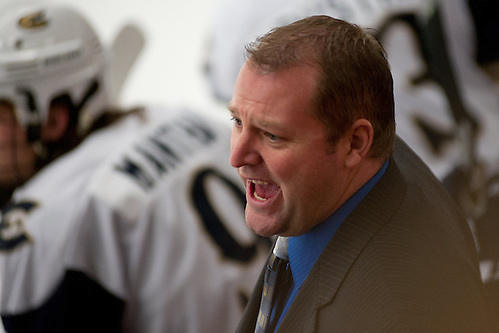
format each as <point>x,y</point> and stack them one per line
<point>57,123</point>
<point>360,137</point>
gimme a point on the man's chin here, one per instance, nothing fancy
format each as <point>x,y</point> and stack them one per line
<point>262,226</point>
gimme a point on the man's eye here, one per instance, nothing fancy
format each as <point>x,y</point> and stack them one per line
<point>272,137</point>
<point>236,121</point>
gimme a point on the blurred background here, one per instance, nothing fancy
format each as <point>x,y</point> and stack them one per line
<point>169,70</point>
<point>445,62</point>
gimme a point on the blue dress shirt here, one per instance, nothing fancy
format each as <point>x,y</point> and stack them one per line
<point>304,250</point>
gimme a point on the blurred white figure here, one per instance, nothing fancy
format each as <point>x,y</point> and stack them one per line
<point>112,220</point>
<point>236,23</point>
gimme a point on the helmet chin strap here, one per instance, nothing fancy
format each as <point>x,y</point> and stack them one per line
<point>84,122</point>
<point>33,129</point>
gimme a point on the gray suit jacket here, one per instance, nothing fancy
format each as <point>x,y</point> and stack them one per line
<point>403,261</point>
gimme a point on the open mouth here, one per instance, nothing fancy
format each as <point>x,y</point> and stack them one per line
<point>261,190</point>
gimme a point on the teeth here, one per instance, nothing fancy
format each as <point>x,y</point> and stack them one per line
<point>258,182</point>
<point>261,182</point>
<point>259,198</point>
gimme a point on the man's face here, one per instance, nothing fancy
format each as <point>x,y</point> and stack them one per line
<point>294,177</point>
<point>17,158</point>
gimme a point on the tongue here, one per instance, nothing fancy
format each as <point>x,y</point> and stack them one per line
<point>266,190</point>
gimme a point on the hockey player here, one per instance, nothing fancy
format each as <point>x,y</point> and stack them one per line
<point>111,221</point>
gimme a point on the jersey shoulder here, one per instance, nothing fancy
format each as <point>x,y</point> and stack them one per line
<point>178,142</point>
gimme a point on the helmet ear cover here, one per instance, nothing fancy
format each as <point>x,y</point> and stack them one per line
<point>48,51</point>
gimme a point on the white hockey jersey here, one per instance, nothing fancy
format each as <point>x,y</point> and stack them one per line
<point>139,229</point>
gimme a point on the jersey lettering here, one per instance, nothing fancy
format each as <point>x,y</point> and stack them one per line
<point>165,150</point>
<point>137,173</point>
<point>12,230</point>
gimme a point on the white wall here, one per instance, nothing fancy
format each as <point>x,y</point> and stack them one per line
<point>169,71</point>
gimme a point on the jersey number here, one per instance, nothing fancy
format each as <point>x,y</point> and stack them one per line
<point>212,222</point>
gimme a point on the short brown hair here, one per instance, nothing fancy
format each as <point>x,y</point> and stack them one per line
<point>354,75</point>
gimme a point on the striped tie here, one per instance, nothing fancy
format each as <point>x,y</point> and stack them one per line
<point>276,269</point>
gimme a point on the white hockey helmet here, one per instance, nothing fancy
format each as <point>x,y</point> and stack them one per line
<point>47,50</point>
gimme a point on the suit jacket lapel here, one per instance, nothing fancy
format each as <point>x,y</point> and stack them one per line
<point>333,265</point>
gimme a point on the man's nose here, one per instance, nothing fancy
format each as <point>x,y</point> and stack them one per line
<point>244,150</point>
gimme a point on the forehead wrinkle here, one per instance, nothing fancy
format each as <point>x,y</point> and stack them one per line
<point>264,123</point>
